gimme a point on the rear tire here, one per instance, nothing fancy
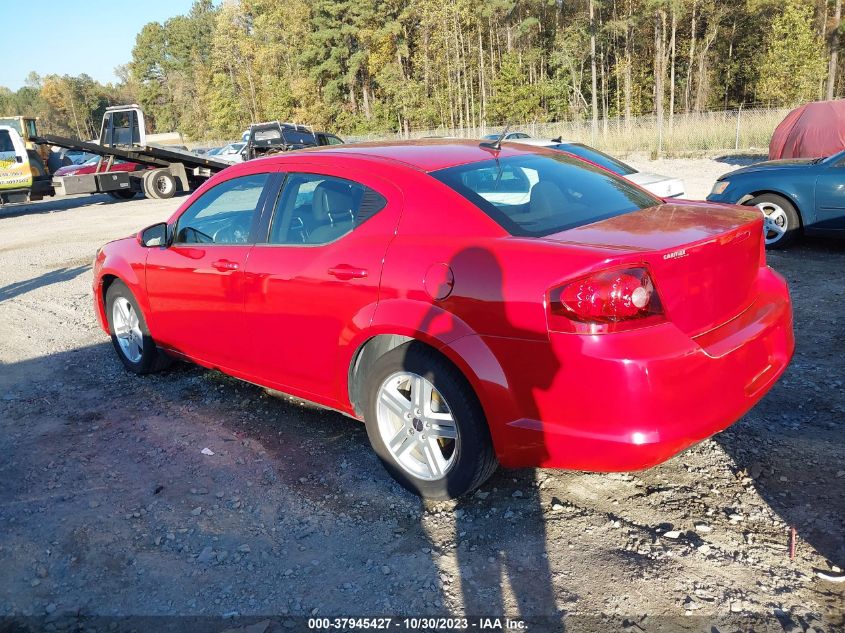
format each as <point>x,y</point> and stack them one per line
<point>416,428</point>
<point>130,336</point>
<point>160,184</point>
<point>782,224</point>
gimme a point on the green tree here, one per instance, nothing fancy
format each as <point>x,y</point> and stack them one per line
<point>793,66</point>
<point>513,99</point>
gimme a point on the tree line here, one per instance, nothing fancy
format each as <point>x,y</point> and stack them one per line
<point>362,66</point>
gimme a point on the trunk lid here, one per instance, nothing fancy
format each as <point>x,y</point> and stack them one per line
<point>704,258</point>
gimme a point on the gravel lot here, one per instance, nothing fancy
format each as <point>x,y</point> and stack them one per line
<point>109,508</point>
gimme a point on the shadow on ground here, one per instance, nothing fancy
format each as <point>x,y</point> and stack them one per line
<point>48,278</point>
<point>741,160</point>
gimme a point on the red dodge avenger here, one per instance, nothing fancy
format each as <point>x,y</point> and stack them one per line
<point>474,305</point>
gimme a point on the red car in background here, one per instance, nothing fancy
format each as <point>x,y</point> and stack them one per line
<point>473,304</point>
<point>90,167</point>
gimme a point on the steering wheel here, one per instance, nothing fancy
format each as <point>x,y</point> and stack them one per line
<point>194,236</point>
<point>234,233</point>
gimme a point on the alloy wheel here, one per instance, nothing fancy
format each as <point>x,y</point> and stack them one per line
<point>127,329</point>
<point>775,222</point>
<point>417,426</point>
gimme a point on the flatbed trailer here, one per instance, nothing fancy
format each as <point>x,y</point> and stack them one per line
<point>123,136</point>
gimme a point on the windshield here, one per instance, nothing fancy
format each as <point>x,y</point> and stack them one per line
<point>837,159</point>
<point>297,137</point>
<point>597,157</point>
<point>538,195</point>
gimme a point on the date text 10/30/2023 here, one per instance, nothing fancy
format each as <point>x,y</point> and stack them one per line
<point>417,624</point>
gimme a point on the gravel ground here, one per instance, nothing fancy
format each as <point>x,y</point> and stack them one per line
<point>109,508</point>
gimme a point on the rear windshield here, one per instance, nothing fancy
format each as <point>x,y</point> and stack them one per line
<point>597,157</point>
<point>270,134</point>
<point>539,195</point>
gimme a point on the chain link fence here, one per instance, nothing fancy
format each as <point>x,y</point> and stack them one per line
<point>738,130</point>
<point>741,130</point>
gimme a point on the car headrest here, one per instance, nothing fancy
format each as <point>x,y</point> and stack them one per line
<point>546,198</point>
<point>331,200</point>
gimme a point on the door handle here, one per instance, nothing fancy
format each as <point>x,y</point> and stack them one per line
<point>345,272</point>
<point>224,264</point>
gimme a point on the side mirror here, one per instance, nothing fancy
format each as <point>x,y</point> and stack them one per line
<point>244,155</point>
<point>18,159</point>
<point>155,235</point>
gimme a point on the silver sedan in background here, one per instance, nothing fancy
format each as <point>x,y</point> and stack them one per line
<point>659,185</point>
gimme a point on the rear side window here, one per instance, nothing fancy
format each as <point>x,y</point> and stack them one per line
<point>296,137</point>
<point>539,195</point>
<point>316,209</point>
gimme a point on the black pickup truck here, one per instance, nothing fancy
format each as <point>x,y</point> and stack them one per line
<point>263,139</point>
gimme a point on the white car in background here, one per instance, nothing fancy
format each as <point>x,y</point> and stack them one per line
<point>231,153</point>
<point>661,186</point>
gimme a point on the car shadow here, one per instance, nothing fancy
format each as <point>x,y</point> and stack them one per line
<point>52,277</point>
<point>791,446</point>
<point>52,205</point>
<point>503,569</point>
<point>58,204</point>
<point>741,160</point>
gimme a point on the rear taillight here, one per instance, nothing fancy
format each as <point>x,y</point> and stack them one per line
<point>607,301</point>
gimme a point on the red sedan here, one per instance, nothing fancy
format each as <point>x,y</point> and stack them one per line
<point>90,167</point>
<point>93,166</point>
<point>473,306</point>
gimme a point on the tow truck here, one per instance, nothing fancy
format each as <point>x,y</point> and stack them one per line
<point>123,135</point>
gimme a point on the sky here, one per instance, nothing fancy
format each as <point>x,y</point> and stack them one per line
<point>69,37</point>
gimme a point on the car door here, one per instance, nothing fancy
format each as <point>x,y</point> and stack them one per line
<point>315,281</point>
<point>830,196</point>
<point>195,285</point>
<point>15,172</point>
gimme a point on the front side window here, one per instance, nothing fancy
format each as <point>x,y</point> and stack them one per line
<point>538,195</point>
<point>223,214</point>
<point>317,209</point>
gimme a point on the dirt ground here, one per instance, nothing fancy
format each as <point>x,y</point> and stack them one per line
<point>109,509</point>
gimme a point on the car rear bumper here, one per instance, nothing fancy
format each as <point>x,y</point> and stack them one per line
<point>631,400</point>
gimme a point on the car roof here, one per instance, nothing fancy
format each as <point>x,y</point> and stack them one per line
<point>425,155</point>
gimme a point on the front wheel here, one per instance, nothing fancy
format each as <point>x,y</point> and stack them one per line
<point>781,223</point>
<point>135,348</point>
<point>426,424</point>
